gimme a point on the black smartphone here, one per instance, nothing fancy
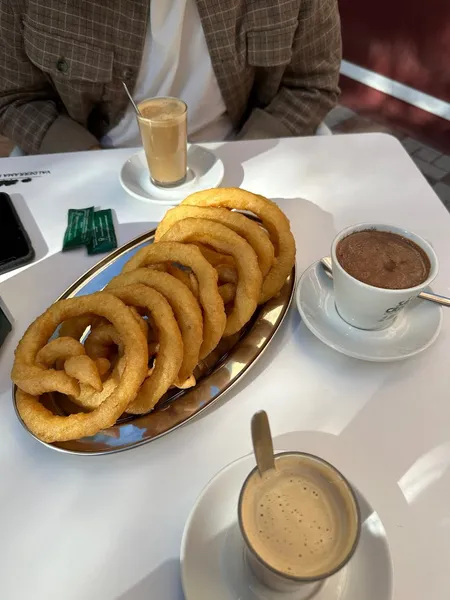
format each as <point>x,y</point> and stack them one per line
<point>15,246</point>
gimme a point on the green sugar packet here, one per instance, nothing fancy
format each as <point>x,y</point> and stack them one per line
<point>103,235</point>
<point>79,227</point>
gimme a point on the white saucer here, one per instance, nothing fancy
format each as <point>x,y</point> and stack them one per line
<point>212,551</point>
<point>205,170</point>
<point>414,330</point>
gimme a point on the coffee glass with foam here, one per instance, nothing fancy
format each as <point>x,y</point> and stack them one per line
<point>300,523</point>
<point>163,126</point>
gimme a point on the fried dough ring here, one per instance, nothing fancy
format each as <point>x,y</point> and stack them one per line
<point>214,318</point>
<point>227,292</point>
<point>76,326</point>
<point>186,277</point>
<point>143,324</point>
<point>215,258</point>
<point>39,420</point>
<point>240,224</point>
<point>170,353</point>
<point>103,366</point>
<point>185,308</point>
<point>223,239</point>
<point>88,398</point>
<point>72,355</point>
<point>57,349</point>
<point>100,340</point>
<point>227,274</point>
<point>273,219</point>
<point>186,384</point>
<point>84,370</point>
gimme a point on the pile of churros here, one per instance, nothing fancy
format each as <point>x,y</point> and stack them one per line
<point>121,349</point>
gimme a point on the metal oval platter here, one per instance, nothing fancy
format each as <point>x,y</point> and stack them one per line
<point>218,373</point>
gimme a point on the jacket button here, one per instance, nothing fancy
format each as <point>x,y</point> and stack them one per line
<point>127,74</point>
<point>62,65</point>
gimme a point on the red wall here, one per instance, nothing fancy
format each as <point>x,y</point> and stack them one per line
<point>408,41</point>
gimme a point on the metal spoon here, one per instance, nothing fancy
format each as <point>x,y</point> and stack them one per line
<point>138,112</point>
<point>262,442</point>
<point>442,300</point>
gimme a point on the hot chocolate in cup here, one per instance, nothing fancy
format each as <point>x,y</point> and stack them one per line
<point>163,127</point>
<point>300,523</point>
<point>377,270</point>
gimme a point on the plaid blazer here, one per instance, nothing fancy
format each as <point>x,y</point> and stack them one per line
<point>62,63</point>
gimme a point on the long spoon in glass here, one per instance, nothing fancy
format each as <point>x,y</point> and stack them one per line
<point>138,112</point>
<point>262,442</point>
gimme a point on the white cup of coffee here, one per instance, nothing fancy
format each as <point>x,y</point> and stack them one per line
<point>300,523</point>
<point>377,270</point>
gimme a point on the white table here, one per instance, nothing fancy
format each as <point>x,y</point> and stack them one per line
<point>109,528</point>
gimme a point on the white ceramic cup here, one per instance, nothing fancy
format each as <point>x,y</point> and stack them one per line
<point>368,307</point>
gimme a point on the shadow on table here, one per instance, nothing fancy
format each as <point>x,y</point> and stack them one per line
<point>164,582</point>
<point>313,228</point>
<point>126,232</point>
<point>233,160</point>
<point>306,220</point>
<point>263,363</point>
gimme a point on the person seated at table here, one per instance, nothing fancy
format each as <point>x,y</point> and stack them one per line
<point>245,69</point>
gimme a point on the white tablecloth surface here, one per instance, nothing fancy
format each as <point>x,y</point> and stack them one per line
<point>109,528</point>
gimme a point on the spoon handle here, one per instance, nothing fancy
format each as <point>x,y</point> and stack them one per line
<point>262,442</point>
<point>136,109</point>
<point>442,300</point>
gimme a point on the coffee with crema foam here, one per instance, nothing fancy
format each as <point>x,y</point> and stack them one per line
<point>300,519</point>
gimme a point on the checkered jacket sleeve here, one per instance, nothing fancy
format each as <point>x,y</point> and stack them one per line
<point>29,113</point>
<point>309,88</point>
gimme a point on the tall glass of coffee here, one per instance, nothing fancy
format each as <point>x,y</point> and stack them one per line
<point>300,522</point>
<point>163,126</point>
